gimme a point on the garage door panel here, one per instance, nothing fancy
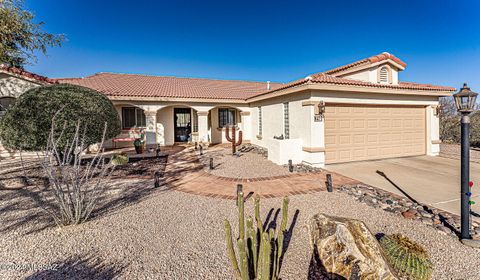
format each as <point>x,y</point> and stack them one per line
<point>360,132</point>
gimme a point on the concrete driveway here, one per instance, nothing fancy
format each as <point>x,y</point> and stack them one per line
<point>433,181</point>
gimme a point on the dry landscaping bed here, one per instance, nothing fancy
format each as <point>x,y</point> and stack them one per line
<point>146,233</point>
<point>250,162</point>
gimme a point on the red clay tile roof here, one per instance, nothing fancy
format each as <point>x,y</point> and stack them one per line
<point>322,78</point>
<point>26,74</point>
<point>366,61</point>
<point>129,85</point>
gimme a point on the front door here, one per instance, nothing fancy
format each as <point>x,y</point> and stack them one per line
<point>183,124</point>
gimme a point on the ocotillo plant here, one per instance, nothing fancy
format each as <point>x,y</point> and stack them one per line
<point>259,251</point>
<point>233,139</point>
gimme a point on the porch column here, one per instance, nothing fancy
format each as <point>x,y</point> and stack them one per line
<point>246,126</point>
<point>151,128</point>
<point>203,127</point>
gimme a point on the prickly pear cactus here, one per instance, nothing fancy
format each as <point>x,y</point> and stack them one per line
<point>408,258</point>
<point>120,159</point>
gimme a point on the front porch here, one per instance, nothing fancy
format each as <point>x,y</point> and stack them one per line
<point>171,124</point>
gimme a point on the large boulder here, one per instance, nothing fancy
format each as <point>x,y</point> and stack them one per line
<point>345,249</point>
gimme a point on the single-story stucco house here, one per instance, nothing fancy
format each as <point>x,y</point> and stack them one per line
<point>359,111</point>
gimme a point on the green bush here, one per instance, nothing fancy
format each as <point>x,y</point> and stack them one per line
<point>27,123</point>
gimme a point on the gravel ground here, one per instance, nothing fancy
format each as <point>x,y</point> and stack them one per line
<point>246,165</point>
<point>164,234</point>
<point>453,151</point>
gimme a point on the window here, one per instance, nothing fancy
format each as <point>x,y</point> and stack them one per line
<point>133,117</point>
<point>286,122</point>
<point>260,120</point>
<point>194,121</point>
<point>383,75</point>
<point>226,116</point>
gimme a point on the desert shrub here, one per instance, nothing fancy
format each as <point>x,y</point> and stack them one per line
<point>450,123</point>
<point>260,251</point>
<point>75,183</point>
<point>26,125</point>
<point>408,258</point>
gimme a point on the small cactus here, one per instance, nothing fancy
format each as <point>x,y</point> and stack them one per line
<point>233,139</point>
<point>408,258</point>
<point>120,159</point>
<point>259,251</point>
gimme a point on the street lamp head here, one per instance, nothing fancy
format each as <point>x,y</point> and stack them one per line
<point>465,100</point>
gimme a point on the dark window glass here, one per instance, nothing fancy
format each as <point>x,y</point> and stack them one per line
<point>133,117</point>
<point>226,117</point>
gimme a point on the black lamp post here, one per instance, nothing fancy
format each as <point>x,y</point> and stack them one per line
<point>465,101</point>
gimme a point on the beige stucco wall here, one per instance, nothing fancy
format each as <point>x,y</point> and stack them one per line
<point>13,86</point>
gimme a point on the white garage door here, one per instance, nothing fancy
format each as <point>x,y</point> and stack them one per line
<point>361,132</point>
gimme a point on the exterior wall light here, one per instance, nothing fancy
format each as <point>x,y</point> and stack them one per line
<point>319,111</point>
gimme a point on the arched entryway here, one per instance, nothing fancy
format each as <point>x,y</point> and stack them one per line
<point>177,124</point>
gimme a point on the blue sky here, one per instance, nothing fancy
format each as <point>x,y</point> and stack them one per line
<point>261,40</point>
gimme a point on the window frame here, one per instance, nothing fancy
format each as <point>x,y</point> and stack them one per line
<point>234,115</point>
<point>137,111</point>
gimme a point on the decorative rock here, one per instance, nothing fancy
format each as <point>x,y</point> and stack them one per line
<point>347,248</point>
<point>410,214</point>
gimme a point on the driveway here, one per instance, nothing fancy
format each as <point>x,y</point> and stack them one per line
<point>433,181</point>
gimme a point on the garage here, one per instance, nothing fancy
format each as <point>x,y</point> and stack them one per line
<point>368,132</point>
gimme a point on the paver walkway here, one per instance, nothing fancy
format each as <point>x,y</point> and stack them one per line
<point>185,173</point>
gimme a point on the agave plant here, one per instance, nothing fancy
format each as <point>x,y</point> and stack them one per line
<point>259,251</point>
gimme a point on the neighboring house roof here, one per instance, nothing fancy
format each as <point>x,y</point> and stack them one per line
<point>138,86</point>
<point>129,85</point>
<point>26,74</point>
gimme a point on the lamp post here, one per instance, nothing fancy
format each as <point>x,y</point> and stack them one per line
<point>465,102</point>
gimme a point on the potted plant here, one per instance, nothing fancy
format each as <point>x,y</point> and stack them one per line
<point>139,145</point>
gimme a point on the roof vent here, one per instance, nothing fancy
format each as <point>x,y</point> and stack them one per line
<point>268,85</point>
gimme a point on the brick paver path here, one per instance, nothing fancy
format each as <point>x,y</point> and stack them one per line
<point>185,173</point>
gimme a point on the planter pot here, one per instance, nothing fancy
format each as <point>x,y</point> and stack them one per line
<point>139,149</point>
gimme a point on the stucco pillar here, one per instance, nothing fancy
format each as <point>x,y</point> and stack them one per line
<point>203,127</point>
<point>314,139</point>
<point>246,125</point>
<point>433,131</point>
<point>151,128</point>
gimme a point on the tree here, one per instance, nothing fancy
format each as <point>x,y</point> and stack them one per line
<point>20,36</point>
<point>27,123</point>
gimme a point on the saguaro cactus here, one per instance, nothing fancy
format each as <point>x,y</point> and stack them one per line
<point>259,250</point>
<point>233,139</point>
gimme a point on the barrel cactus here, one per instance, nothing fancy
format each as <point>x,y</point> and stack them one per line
<point>260,250</point>
<point>408,258</point>
<point>120,159</point>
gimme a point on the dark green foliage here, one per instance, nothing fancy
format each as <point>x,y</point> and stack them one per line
<point>27,123</point>
<point>260,251</point>
<point>408,258</point>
